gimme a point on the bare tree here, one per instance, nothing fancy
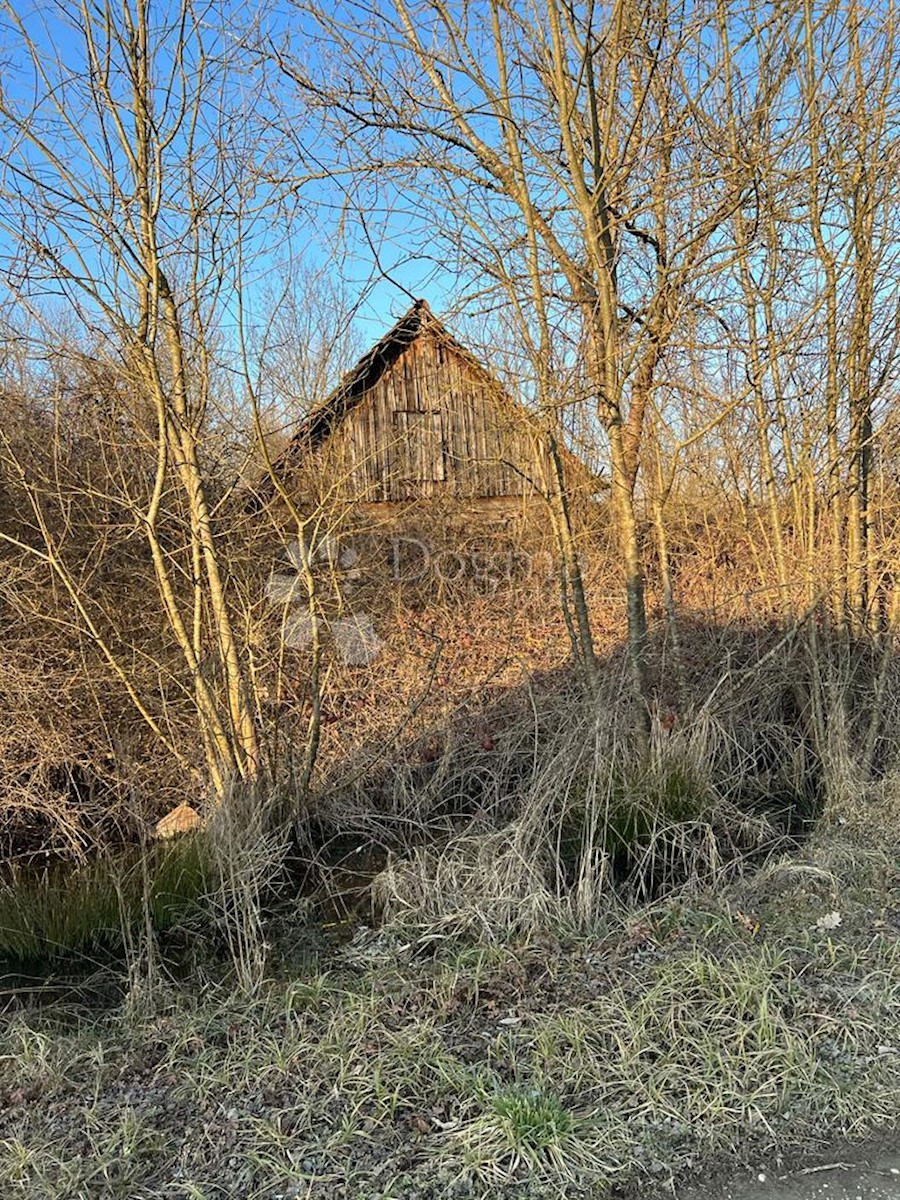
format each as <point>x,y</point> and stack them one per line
<point>570,159</point>
<point>125,169</point>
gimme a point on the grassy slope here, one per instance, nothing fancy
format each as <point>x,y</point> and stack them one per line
<point>673,1038</point>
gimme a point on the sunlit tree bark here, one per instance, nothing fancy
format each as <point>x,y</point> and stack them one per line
<point>118,193</point>
<point>566,154</point>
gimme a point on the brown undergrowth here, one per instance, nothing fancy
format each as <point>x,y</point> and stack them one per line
<point>582,965</point>
<point>732,1025</point>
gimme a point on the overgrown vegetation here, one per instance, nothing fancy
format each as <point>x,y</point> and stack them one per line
<point>520,1010</point>
<point>743,1021</point>
<point>61,912</point>
<point>589,876</point>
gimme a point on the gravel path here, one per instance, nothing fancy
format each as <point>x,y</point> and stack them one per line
<point>878,1179</point>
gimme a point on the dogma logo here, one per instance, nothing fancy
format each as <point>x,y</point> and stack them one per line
<point>354,636</point>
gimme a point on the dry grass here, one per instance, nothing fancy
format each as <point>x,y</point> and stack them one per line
<point>730,1023</point>
<point>596,965</point>
<point>560,817</point>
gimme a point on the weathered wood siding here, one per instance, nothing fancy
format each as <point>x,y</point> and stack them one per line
<point>434,424</point>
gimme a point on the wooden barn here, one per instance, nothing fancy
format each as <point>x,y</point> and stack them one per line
<point>418,418</point>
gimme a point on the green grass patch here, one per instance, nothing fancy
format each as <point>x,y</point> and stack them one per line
<point>535,1122</point>
<point>63,910</point>
<point>633,809</point>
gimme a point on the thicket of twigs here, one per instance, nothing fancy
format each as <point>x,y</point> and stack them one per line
<point>704,308</point>
<point>473,716</point>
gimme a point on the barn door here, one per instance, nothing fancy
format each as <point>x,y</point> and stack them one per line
<point>419,447</point>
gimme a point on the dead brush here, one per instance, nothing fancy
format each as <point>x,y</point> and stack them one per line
<point>593,819</point>
<point>40,760</point>
<point>469,765</point>
<point>246,845</point>
<point>73,760</point>
<point>501,882</point>
<point>490,886</point>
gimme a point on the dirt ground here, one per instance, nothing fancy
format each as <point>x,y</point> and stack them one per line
<point>847,1174</point>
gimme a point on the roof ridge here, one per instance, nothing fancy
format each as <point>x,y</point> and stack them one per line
<point>361,377</point>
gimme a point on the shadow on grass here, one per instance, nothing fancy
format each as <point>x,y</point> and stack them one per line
<point>751,729</point>
<point>736,767</point>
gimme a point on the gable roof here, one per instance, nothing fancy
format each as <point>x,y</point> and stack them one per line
<point>351,389</point>
<point>317,426</point>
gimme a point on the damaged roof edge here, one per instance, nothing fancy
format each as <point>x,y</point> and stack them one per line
<point>356,382</point>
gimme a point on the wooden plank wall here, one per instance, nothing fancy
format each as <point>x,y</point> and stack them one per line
<point>434,424</point>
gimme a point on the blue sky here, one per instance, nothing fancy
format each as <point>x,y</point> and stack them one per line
<point>384,265</point>
<point>376,264</point>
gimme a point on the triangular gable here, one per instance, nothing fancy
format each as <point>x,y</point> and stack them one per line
<point>361,378</point>
<point>358,383</point>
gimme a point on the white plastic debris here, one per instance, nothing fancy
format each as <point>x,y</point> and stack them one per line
<point>829,921</point>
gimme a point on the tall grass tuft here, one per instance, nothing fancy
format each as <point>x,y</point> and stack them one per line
<point>61,910</point>
<point>247,840</point>
<point>585,816</point>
